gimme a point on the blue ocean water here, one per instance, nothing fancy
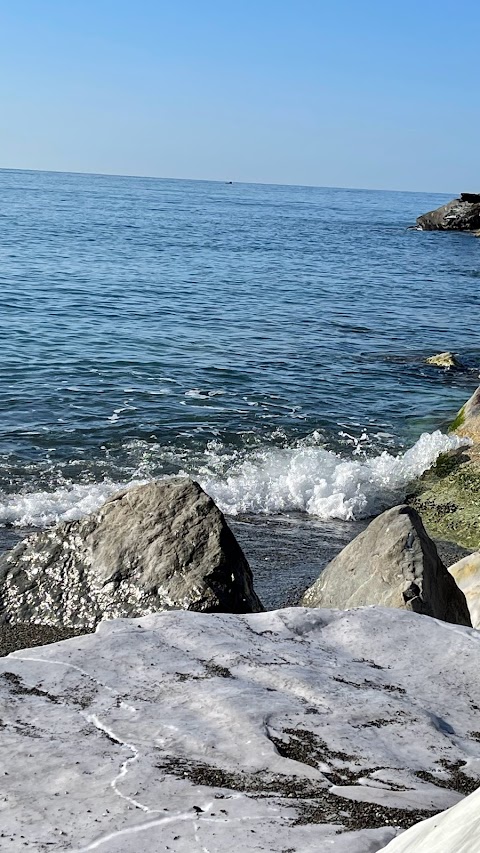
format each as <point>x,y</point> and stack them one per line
<point>269,340</point>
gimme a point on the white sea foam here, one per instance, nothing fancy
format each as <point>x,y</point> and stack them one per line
<point>199,394</point>
<point>317,481</point>
<point>306,478</point>
<point>39,509</point>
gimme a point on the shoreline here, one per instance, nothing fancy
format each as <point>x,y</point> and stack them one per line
<point>285,554</point>
<point>348,668</point>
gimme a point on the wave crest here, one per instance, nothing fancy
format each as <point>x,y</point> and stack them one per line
<point>321,483</point>
<point>304,478</point>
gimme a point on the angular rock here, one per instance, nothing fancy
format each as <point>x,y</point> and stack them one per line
<point>466,573</point>
<point>461,214</point>
<point>156,547</point>
<point>392,563</point>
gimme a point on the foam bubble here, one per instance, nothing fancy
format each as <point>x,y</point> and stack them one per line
<point>199,394</point>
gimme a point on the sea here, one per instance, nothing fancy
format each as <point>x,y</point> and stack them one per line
<point>269,341</point>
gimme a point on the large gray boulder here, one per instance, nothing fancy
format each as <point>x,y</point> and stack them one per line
<point>156,547</point>
<point>461,214</point>
<point>392,563</point>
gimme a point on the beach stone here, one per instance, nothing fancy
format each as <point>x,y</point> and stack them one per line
<point>160,546</point>
<point>392,563</point>
<point>466,573</point>
<point>461,214</point>
<point>443,359</point>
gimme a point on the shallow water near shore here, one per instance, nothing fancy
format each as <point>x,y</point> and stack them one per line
<point>268,341</point>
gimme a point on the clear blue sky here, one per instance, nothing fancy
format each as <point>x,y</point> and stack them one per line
<point>357,93</point>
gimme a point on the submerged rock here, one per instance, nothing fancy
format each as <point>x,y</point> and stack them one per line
<point>161,546</point>
<point>392,563</point>
<point>461,214</point>
<point>466,573</point>
<point>444,359</point>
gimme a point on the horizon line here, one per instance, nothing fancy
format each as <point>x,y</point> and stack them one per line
<point>220,181</point>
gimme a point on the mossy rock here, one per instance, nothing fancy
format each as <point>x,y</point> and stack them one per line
<point>467,422</point>
<point>459,420</point>
<point>448,498</point>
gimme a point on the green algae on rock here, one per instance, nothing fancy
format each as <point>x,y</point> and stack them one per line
<point>467,422</point>
<point>448,495</point>
<point>458,421</point>
<point>448,498</point>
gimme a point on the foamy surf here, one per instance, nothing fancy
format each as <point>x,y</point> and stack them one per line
<point>305,478</point>
<point>321,483</point>
<point>67,503</point>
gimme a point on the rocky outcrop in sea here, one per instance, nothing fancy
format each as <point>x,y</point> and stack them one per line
<point>461,214</point>
<point>447,360</point>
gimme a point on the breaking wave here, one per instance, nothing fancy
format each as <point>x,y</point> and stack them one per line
<point>304,478</point>
<point>321,483</point>
<point>67,503</point>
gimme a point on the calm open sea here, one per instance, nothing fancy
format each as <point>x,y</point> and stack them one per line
<point>268,340</point>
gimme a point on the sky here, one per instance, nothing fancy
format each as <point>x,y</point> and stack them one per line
<point>347,93</point>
